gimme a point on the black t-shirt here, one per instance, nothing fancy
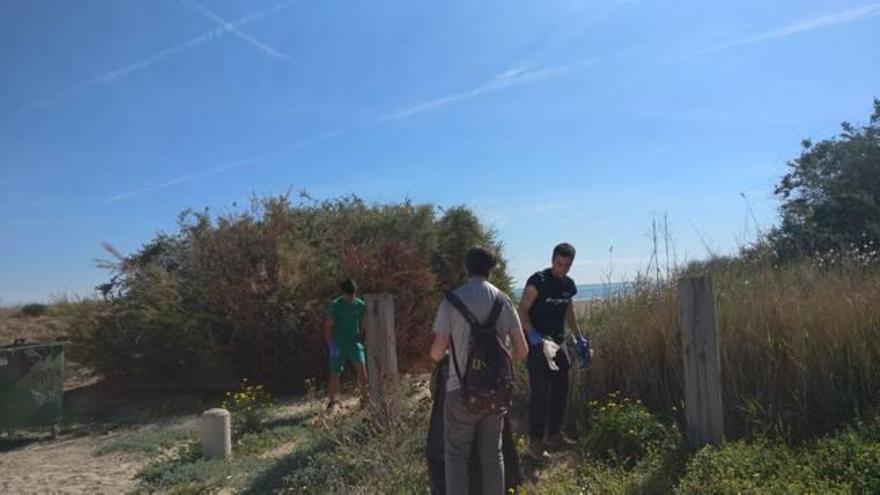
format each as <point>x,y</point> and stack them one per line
<point>547,313</point>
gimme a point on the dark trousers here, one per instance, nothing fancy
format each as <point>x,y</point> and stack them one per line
<point>549,392</point>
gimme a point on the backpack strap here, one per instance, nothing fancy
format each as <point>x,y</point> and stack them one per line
<point>458,304</point>
<point>475,324</point>
<point>471,319</point>
<point>462,308</point>
<point>494,314</point>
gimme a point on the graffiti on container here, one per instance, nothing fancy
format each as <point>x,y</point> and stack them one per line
<point>45,385</point>
<point>31,385</point>
<point>40,372</point>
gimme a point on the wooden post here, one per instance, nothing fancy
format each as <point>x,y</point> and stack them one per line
<point>702,364</point>
<point>381,347</point>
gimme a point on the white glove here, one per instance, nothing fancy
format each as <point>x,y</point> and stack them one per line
<point>550,350</point>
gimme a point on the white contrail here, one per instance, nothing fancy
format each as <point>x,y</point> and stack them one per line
<point>519,75</point>
<point>178,180</point>
<point>230,27</point>
<point>115,74</point>
<point>509,78</point>
<point>798,27</point>
<point>513,77</point>
<point>218,168</point>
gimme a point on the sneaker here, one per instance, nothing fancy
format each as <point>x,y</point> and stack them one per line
<point>536,451</point>
<point>559,441</point>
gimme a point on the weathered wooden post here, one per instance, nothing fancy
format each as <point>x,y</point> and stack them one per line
<point>216,434</point>
<point>702,364</point>
<point>381,348</point>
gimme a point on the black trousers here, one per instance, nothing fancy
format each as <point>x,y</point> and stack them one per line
<point>435,448</point>
<point>549,392</point>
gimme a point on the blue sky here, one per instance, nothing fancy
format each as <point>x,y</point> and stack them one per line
<point>554,120</point>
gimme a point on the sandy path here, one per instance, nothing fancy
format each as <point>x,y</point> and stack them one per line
<point>66,466</point>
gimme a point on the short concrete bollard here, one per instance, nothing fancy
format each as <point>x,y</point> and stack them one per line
<point>216,434</point>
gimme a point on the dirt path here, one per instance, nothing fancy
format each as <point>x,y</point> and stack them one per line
<point>65,466</point>
<point>70,464</point>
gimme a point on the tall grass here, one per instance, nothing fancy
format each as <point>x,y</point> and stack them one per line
<point>799,345</point>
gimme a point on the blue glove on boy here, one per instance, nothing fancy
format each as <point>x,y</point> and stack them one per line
<point>583,350</point>
<point>534,337</point>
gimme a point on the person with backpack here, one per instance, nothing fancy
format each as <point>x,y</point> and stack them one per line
<point>342,332</point>
<point>545,309</point>
<point>435,448</point>
<point>473,322</point>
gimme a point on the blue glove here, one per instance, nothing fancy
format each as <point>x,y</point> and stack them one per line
<point>583,350</point>
<point>334,351</point>
<point>534,337</point>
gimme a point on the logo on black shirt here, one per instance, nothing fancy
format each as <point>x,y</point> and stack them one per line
<point>557,300</point>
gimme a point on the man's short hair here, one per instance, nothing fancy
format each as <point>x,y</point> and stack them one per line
<point>348,286</point>
<point>479,261</point>
<point>565,250</point>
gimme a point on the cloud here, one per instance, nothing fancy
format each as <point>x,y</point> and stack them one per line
<point>126,70</point>
<point>230,27</point>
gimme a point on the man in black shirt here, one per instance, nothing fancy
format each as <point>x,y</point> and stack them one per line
<point>545,309</point>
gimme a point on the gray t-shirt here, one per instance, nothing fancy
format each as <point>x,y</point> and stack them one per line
<point>478,296</point>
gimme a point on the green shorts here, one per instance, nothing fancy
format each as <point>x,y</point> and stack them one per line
<point>355,354</point>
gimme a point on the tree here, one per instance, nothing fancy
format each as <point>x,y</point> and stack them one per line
<point>831,193</point>
<point>459,230</point>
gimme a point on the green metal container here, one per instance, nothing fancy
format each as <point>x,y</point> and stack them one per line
<point>31,385</point>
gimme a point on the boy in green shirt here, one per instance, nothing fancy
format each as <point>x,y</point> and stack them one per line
<point>342,332</point>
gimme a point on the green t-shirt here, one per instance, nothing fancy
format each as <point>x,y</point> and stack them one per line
<point>346,320</point>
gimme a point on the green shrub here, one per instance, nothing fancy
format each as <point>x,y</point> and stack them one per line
<point>243,293</point>
<point>835,465</point>
<point>32,310</point>
<point>848,458</point>
<point>622,431</point>
<point>753,468</point>
<point>627,450</point>
<point>846,462</point>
